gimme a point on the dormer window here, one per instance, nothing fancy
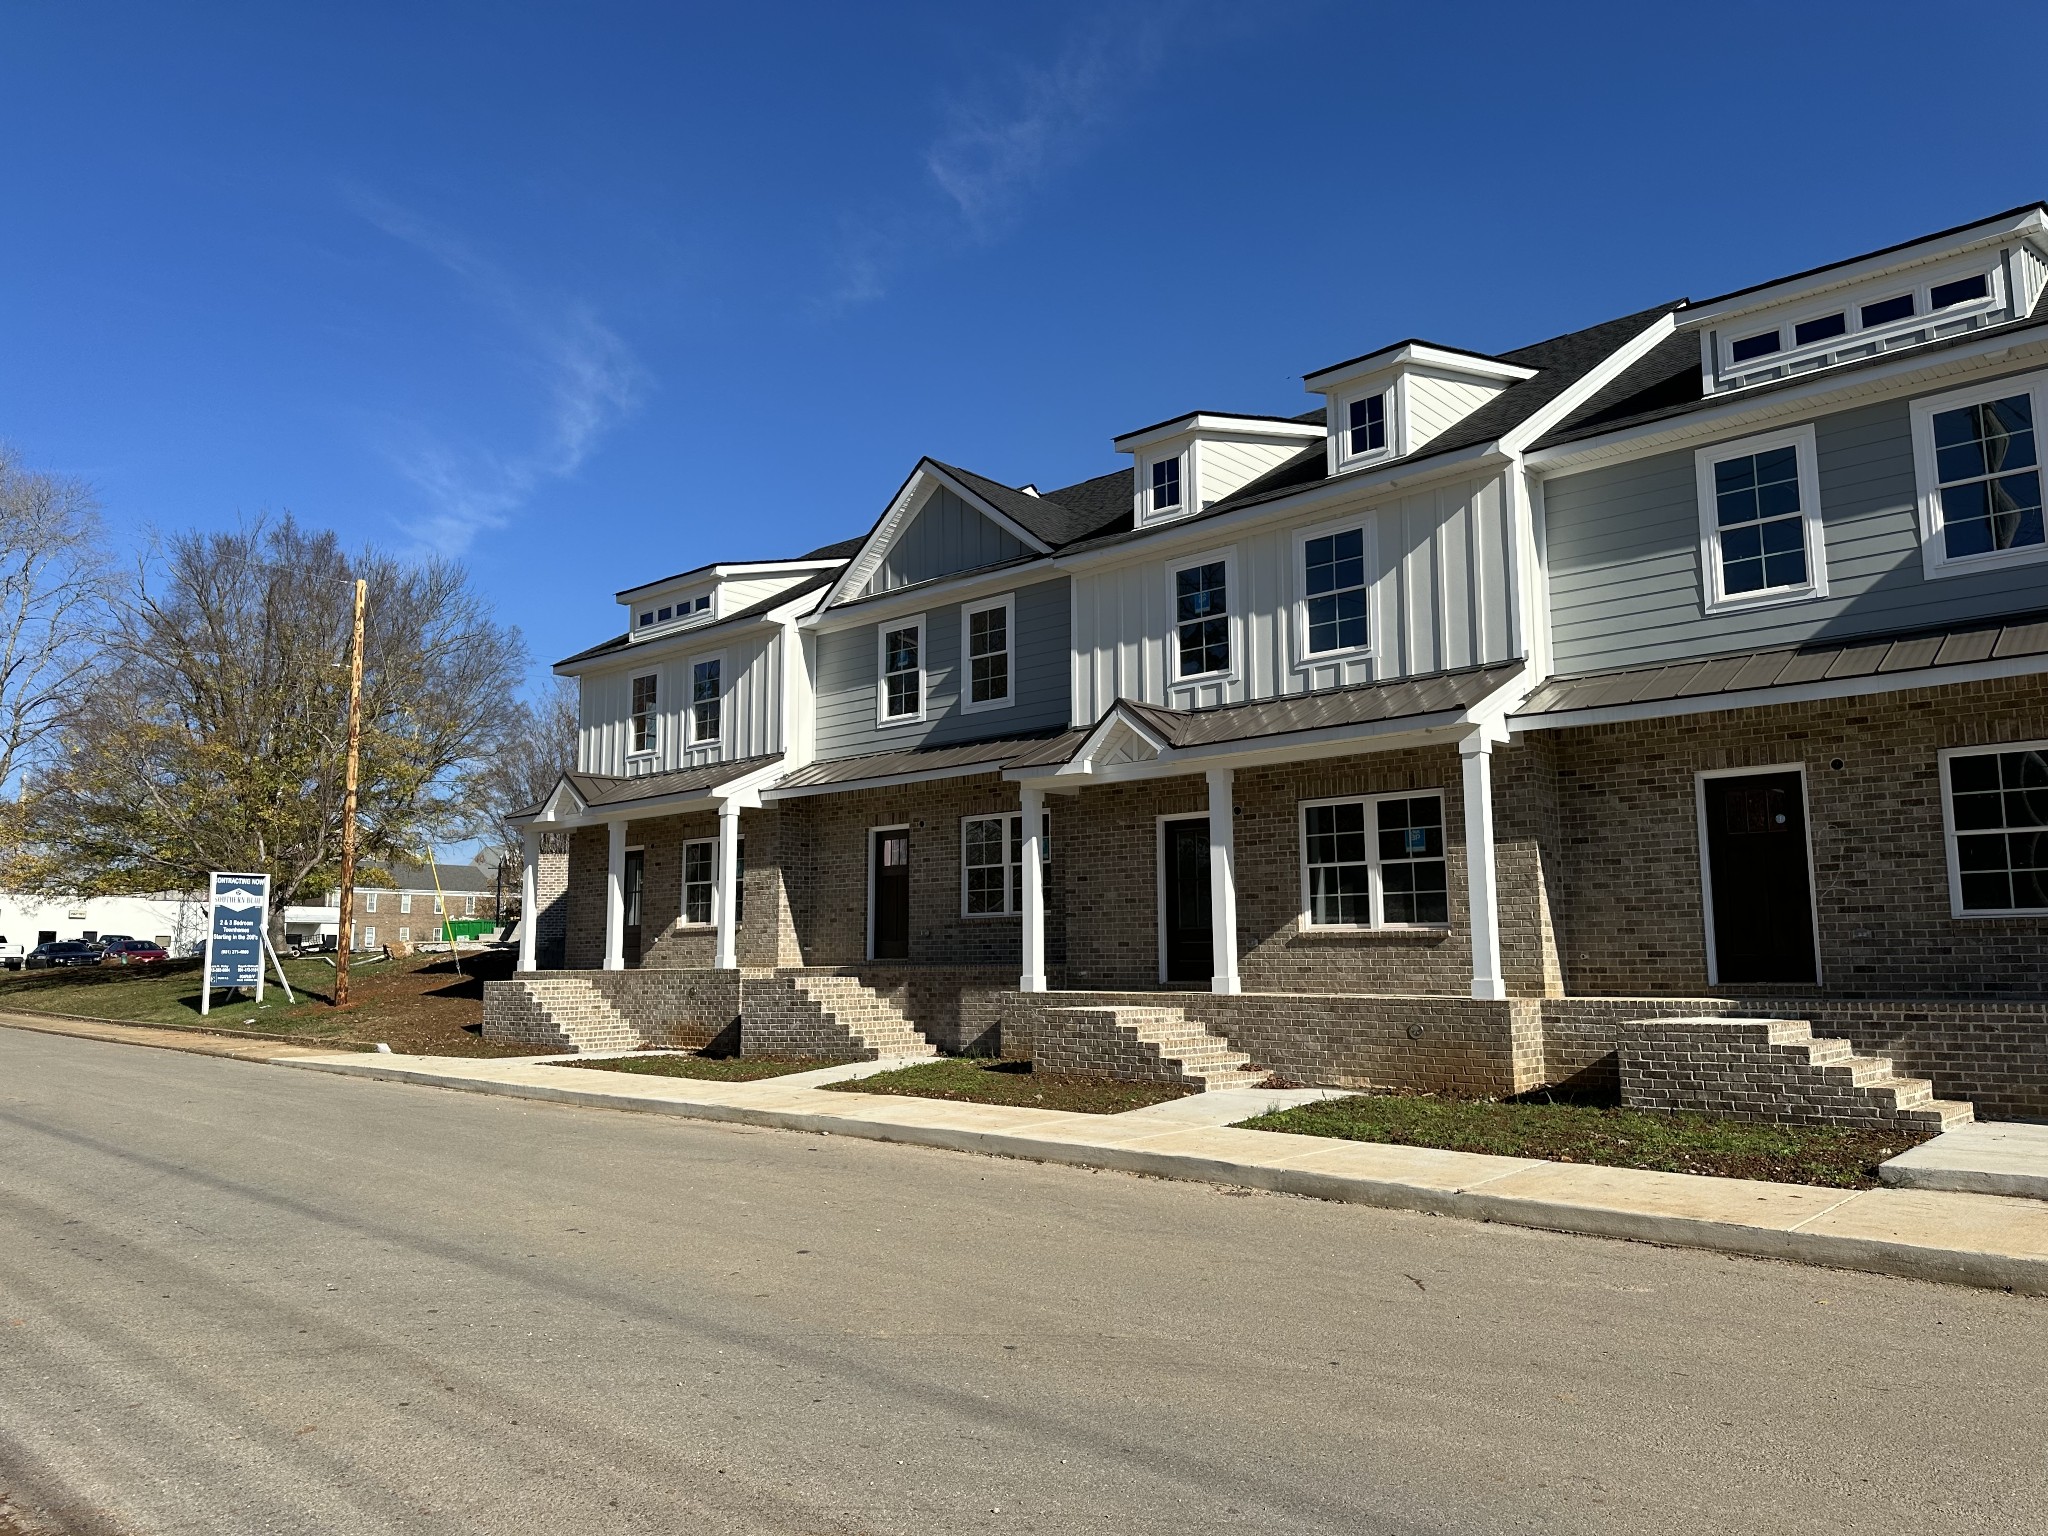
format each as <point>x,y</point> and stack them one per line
<point>701,604</point>
<point>1807,332</point>
<point>1166,484</point>
<point>1961,291</point>
<point>1367,424</point>
<point>1886,311</point>
<point>664,615</point>
<point>1761,345</point>
<point>646,618</point>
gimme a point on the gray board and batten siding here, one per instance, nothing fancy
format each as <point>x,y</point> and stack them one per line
<point>945,537</point>
<point>846,672</point>
<point>1624,553</point>
<point>1438,599</point>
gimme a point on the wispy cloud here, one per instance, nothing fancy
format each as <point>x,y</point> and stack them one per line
<point>1004,136</point>
<point>588,377</point>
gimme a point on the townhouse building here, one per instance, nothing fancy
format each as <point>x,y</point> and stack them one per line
<point>1688,664</point>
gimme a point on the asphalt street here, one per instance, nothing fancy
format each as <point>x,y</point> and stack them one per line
<point>242,1298</point>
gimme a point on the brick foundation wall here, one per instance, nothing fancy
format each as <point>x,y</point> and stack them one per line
<point>1419,1044</point>
<point>1631,897</point>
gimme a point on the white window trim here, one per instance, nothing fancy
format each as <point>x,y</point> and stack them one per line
<point>405,901</point>
<point>1013,894</point>
<point>1008,603</point>
<point>1233,616</point>
<point>1699,795</point>
<point>1713,598</point>
<point>370,903</point>
<point>642,754</point>
<point>370,936</point>
<point>894,826</point>
<point>1377,892</point>
<point>1146,515</point>
<point>883,719</point>
<point>1304,657</point>
<point>1948,833</point>
<point>1340,423</point>
<point>690,736</point>
<point>683,885</point>
<point>1935,561</point>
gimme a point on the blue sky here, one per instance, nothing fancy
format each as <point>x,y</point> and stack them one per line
<point>587,294</point>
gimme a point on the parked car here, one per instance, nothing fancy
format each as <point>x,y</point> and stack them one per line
<point>132,952</point>
<point>11,955</point>
<point>107,941</point>
<point>64,952</point>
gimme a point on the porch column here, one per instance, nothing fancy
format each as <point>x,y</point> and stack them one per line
<point>728,886</point>
<point>1481,892</point>
<point>1223,883</point>
<point>615,899</point>
<point>529,899</point>
<point>1033,894</point>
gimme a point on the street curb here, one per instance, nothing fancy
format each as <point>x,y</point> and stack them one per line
<point>22,1018</point>
<point>2026,1273</point>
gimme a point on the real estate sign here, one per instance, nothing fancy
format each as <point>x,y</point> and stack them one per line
<point>234,932</point>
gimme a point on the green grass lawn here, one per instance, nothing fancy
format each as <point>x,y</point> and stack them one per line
<point>983,1080</point>
<point>416,1004</point>
<point>716,1069</point>
<point>1616,1138</point>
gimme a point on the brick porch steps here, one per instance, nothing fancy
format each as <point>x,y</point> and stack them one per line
<point>564,1011</point>
<point>875,1028</point>
<point>1774,1070</point>
<point>1142,1044</point>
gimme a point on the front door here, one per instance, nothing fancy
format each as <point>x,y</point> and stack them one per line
<point>635,878</point>
<point>1756,863</point>
<point>892,894</point>
<point>1190,951</point>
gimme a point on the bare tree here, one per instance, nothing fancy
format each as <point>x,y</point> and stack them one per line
<point>222,745</point>
<point>538,748</point>
<point>52,605</point>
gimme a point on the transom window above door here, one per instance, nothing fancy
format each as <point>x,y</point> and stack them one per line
<point>1976,456</point>
<point>1201,617</point>
<point>1761,541</point>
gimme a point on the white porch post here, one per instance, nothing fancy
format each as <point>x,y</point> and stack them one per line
<point>1480,888</point>
<point>728,885</point>
<point>1223,882</point>
<point>1033,979</point>
<point>615,899</point>
<point>529,903</point>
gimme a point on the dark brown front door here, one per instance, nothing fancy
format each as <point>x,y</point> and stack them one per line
<point>635,880</point>
<point>1756,861</point>
<point>892,895</point>
<point>1190,951</point>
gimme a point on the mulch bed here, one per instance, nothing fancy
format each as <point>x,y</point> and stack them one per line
<point>984,1080</point>
<point>1617,1138</point>
<point>716,1069</point>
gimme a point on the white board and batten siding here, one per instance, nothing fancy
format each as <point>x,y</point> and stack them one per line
<point>1437,599</point>
<point>751,724</point>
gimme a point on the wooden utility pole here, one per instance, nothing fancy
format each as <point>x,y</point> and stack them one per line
<point>348,805</point>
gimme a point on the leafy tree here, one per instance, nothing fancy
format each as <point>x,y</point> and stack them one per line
<point>215,736</point>
<point>540,746</point>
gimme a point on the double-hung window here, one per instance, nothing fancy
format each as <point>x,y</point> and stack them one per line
<point>644,697</point>
<point>1333,591</point>
<point>706,709</point>
<point>985,646</point>
<point>405,901</point>
<point>1997,814</point>
<point>1375,861</point>
<point>1165,485</point>
<point>992,863</point>
<point>370,902</point>
<point>1201,618</point>
<point>1977,459</point>
<point>700,882</point>
<point>1760,529</point>
<point>901,662</point>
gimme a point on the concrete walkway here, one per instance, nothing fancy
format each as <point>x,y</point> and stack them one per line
<point>1964,1238</point>
<point>1986,1157</point>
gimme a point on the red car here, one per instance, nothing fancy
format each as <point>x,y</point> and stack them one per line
<point>133,952</point>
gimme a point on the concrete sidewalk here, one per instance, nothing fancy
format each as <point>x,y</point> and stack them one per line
<point>1963,1238</point>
